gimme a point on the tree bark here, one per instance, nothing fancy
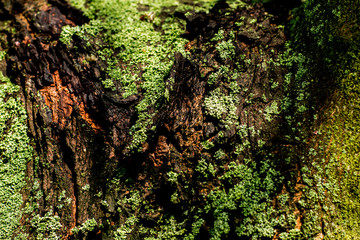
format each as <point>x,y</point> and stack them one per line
<point>81,130</point>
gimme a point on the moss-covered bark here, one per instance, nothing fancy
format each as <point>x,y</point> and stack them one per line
<point>327,33</point>
<point>186,120</point>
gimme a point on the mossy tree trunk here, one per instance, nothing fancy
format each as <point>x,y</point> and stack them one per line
<point>224,146</point>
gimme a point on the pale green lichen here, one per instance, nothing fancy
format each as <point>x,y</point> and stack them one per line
<point>205,169</point>
<point>226,50</point>
<point>171,229</point>
<point>86,188</point>
<point>222,106</point>
<point>271,110</point>
<point>15,152</point>
<point>251,195</point>
<point>88,226</point>
<point>125,229</point>
<point>46,227</point>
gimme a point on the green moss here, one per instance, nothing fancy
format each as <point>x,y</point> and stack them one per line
<point>88,226</point>
<point>249,196</point>
<point>343,129</point>
<point>324,53</point>
<point>45,227</point>
<point>146,55</point>
<point>271,110</point>
<point>15,152</point>
<point>222,106</point>
<point>171,229</point>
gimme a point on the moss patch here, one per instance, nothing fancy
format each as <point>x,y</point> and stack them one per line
<point>15,152</point>
<point>342,132</point>
<point>329,171</point>
<point>138,42</point>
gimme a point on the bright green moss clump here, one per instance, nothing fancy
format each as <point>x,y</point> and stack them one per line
<point>15,152</point>
<point>250,194</point>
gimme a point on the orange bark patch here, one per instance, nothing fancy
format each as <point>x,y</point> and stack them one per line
<point>276,235</point>
<point>61,102</point>
<point>162,148</point>
<point>156,161</point>
<point>298,220</point>
<point>73,216</point>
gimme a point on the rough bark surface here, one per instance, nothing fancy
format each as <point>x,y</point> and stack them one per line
<point>70,115</point>
<point>81,129</point>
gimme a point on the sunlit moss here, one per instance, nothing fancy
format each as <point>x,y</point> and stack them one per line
<point>320,31</point>
<point>343,129</point>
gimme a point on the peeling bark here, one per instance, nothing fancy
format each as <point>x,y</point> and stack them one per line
<point>62,100</point>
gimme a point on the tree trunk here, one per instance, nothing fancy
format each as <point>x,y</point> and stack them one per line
<point>217,148</point>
